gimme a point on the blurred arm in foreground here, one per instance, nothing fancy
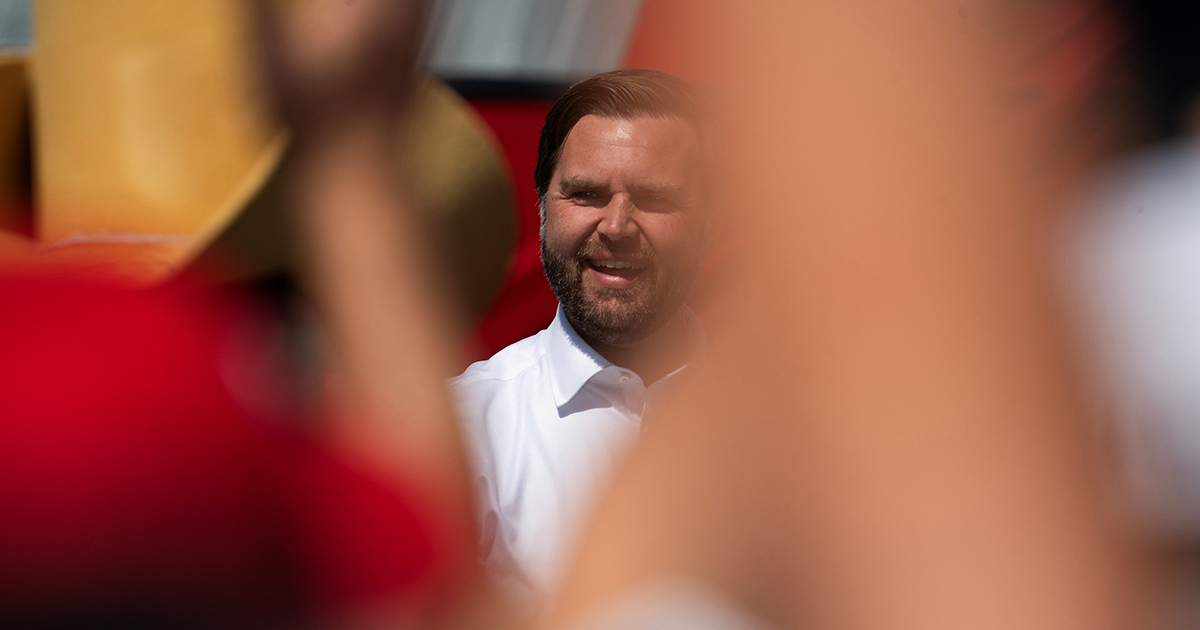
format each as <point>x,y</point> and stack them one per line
<point>342,76</point>
<point>145,488</point>
<point>886,434</point>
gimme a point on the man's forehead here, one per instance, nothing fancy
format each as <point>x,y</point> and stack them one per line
<point>666,146</point>
<point>638,129</point>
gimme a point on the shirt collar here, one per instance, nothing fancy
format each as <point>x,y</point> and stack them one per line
<point>573,362</point>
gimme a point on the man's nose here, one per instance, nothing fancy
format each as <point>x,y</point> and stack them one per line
<point>617,222</point>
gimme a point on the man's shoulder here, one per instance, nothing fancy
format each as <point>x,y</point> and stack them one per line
<point>492,396</point>
<point>510,364</point>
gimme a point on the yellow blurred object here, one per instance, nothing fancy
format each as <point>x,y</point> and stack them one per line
<point>151,133</point>
<point>461,187</point>
<point>155,148</point>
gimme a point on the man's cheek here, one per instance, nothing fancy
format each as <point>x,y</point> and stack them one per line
<point>560,250</point>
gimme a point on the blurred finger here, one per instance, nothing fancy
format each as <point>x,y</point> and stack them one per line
<point>268,34</point>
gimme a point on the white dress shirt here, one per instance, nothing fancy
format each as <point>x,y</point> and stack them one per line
<point>546,420</point>
<point>1135,263</point>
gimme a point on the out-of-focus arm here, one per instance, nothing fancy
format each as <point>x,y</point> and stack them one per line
<point>885,434</point>
<point>341,74</point>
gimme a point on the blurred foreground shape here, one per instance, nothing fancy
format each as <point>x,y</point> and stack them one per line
<point>154,149</point>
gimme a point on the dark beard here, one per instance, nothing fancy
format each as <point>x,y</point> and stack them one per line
<point>614,317</point>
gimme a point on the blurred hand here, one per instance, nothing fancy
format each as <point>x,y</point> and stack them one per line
<point>341,73</point>
<point>333,63</point>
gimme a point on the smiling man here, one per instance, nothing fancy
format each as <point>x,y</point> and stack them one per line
<point>625,221</point>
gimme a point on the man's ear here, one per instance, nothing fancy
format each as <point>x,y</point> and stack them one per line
<point>714,220</point>
<point>714,193</point>
<point>708,236</point>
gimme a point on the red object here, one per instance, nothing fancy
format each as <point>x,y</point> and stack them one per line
<point>137,490</point>
<point>525,303</point>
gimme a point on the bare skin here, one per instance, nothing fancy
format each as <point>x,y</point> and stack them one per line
<point>886,436</point>
<point>625,194</point>
<point>340,73</point>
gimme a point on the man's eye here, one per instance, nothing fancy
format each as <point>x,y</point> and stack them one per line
<point>584,195</point>
<point>654,201</point>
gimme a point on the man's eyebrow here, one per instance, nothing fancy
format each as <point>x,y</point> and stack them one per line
<point>657,188</point>
<point>580,183</point>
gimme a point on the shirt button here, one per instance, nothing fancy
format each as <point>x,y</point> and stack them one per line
<point>624,378</point>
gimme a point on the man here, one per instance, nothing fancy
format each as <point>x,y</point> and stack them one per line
<point>624,227</point>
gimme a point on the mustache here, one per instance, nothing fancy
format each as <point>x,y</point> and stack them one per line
<point>594,247</point>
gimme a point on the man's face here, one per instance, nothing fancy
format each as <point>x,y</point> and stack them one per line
<point>624,228</point>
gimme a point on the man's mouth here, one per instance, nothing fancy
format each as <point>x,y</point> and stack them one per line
<point>614,274</point>
<point>616,264</point>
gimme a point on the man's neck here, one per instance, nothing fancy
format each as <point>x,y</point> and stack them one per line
<point>662,352</point>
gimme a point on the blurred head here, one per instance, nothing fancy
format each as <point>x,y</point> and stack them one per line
<point>624,211</point>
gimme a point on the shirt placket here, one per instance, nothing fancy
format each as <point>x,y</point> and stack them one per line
<point>627,391</point>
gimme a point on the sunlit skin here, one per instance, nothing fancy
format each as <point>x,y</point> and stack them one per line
<point>625,208</point>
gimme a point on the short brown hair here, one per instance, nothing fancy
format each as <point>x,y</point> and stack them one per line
<point>616,94</point>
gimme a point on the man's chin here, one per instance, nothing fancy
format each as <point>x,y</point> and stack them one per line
<point>613,337</point>
<point>615,325</point>
<point>611,316</point>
